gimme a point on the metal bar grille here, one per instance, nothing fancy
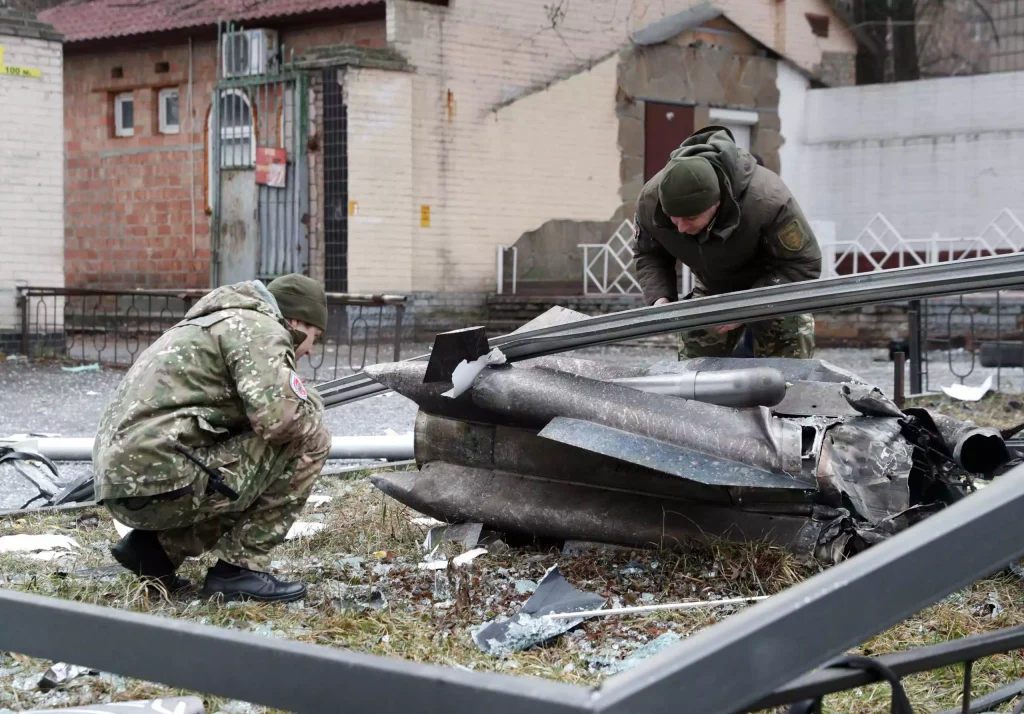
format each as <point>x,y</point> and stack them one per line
<point>336,198</point>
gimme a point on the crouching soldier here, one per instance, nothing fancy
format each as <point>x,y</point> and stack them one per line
<point>737,227</point>
<point>212,442</point>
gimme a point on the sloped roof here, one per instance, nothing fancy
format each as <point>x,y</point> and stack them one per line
<point>83,20</point>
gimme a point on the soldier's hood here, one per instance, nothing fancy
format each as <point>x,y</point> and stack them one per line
<point>249,295</point>
<point>734,167</point>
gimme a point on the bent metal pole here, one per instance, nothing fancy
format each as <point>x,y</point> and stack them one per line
<point>391,448</point>
<point>920,282</point>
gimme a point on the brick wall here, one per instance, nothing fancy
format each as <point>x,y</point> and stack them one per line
<point>31,172</point>
<point>472,59</point>
<point>380,180</point>
<point>130,209</point>
<point>949,166</point>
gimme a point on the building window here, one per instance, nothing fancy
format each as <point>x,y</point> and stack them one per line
<point>819,24</point>
<point>169,121</point>
<point>237,137</point>
<point>124,114</point>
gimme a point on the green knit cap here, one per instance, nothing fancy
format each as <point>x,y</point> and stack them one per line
<point>689,188</point>
<point>300,298</point>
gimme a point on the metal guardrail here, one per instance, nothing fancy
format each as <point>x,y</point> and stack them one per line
<point>114,327</point>
<point>918,283</point>
<point>763,655</point>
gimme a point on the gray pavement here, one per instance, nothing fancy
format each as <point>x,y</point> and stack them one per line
<point>42,397</point>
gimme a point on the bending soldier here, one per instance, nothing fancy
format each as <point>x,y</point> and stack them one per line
<point>737,227</point>
<point>212,442</point>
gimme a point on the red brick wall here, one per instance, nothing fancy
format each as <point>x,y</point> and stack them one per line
<point>129,211</point>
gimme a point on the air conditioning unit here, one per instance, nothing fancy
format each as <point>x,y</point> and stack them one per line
<point>248,52</point>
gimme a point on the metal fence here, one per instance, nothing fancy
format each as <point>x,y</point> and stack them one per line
<point>114,327</point>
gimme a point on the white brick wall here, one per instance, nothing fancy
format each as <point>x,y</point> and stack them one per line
<point>380,180</point>
<point>935,156</point>
<point>489,175</point>
<point>31,172</point>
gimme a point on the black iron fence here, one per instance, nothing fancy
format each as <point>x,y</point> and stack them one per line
<point>114,327</point>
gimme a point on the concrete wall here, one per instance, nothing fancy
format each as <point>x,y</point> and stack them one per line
<point>472,58</point>
<point>951,163</point>
<point>130,209</point>
<point>31,170</point>
<point>380,191</point>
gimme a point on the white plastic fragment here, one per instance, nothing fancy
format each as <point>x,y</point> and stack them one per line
<point>426,522</point>
<point>964,393</point>
<point>301,529</point>
<point>121,528</point>
<point>465,558</point>
<point>24,543</point>
<point>466,372</point>
<point>318,500</point>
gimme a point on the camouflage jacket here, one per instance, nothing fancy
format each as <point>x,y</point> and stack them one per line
<point>758,237</point>
<point>226,369</point>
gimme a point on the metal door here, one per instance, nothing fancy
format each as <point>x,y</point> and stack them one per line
<point>666,126</point>
<point>260,185</point>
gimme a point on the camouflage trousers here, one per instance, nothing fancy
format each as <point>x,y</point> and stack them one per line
<point>272,482</point>
<point>786,337</point>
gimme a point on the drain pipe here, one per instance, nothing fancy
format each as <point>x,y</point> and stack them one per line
<point>391,448</point>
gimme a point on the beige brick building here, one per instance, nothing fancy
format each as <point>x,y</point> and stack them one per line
<point>438,130</point>
<point>31,164</point>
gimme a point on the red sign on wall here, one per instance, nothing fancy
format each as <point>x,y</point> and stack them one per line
<point>270,166</point>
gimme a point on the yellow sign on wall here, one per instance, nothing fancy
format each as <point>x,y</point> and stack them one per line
<point>424,216</point>
<point>17,71</point>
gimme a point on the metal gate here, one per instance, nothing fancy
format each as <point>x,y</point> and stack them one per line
<point>259,181</point>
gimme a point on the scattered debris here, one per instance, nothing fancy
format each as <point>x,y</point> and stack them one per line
<point>964,393</point>
<point>654,608</point>
<point>318,500</point>
<point>587,547</point>
<point>426,522</point>
<point>94,367</point>
<point>458,560</point>
<point>466,534</point>
<point>609,665</point>
<point>43,547</point>
<point>525,586</point>
<point>301,529</point>
<point>105,573</point>
<point>62,673</point>
<point>529,627</point>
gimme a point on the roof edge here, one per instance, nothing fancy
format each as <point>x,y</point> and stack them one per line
<point>18,23</point>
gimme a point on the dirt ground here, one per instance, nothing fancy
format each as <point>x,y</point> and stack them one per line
<point>367,594</point>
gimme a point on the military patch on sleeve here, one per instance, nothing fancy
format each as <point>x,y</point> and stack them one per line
<point>792,236</point>
<point>298,387</point>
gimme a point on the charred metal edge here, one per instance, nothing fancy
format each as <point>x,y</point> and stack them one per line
<point>730,666</point>
<point>896,285</point>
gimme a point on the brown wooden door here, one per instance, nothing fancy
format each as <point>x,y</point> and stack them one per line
<point>666,126</point>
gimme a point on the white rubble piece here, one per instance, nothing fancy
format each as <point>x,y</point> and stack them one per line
<point>458,560</point>
<point>39,547</point>
<point>964,393</point>
<point>302,529</point>
<point>466,372</point>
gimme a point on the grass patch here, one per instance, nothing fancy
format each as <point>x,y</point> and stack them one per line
<point>367,594</point>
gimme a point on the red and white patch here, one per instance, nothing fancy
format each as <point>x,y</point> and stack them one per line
<point>298,387</point>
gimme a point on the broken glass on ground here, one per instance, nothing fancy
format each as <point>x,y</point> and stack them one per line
<point>529,627</point>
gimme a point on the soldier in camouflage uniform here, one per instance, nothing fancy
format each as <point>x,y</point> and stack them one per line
<point>737,227</point>
<point>218,390</point>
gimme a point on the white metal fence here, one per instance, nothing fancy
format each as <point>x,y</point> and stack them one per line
<point>879,246</point>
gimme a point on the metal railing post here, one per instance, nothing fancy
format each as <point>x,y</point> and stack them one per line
<point>501,269</point>
<point>914,328</point>
<point>399,312</point>
<point>23,304</point>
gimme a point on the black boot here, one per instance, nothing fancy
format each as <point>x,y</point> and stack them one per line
<point>140,552</point>
<point>236,583</point>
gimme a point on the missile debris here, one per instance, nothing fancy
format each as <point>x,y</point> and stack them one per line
<point>796,452</point>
